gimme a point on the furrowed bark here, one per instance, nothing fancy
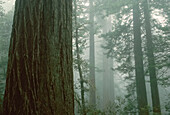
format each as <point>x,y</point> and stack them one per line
<point>39,75</point>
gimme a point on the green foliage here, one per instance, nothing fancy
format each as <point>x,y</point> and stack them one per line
<point>161,39</point>
<point>80,36</point>
<point>121,106</point>
<point>109,7</point>
<point>119,44</point>
<point>1,8</point>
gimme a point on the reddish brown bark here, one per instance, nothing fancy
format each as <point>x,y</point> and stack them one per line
<point>39,74</point>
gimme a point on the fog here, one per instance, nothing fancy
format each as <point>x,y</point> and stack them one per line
<point>121,65</point>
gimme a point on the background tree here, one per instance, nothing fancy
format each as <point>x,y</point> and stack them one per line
<point>78,58</point>
<point>139,70</point>
<point>118,40</point>
<point>151,60</point>
<point>92,100</point>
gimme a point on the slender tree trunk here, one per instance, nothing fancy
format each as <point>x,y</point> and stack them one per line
<point>151,61</point>
<point>79,61</point>
<point>39,74</point>
<point>92,99</point>
<point>139,71</point>
<point>108,83</point>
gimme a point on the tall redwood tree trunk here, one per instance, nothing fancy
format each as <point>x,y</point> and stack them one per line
<point>151,61</point>
<point>92,91</point>
<point>39,74</point>
<point>139,71</point>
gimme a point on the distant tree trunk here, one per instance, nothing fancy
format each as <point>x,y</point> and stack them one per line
<point>92,99</point>
<point>139,71</point>
<point>79,61</point>
<point>108,83</point>
<point>39,74</point>
<point>151,61</point>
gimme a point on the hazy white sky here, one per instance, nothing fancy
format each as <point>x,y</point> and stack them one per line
<point>8,4</point>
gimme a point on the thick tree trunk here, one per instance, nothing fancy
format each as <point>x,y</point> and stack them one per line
<point>92,99</point>
<point>139,71</point>
<point>39,74</point>
<point>151,61</point>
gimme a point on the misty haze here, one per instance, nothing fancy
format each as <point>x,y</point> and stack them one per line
<point>84,57</point>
